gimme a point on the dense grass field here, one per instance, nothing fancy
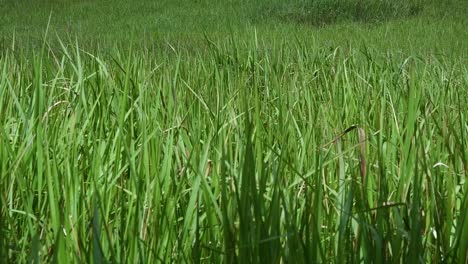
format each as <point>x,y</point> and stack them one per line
<point>326,131</point>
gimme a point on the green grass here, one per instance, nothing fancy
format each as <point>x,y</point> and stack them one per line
<point>378,23</point>
<point>234,142</point>
<point>325,12</point>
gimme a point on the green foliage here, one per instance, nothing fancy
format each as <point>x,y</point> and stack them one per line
<point>174,131</point>
<point>231,154</point>
<point>325,12</point>
<point>150,23</point>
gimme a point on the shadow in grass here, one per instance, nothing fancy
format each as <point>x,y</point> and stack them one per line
<point>328,12</point>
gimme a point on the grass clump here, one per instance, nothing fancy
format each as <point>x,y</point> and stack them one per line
<point>326,12</point>
<point>243,152</point>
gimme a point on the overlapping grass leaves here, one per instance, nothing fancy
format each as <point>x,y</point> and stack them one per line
<point>238,154</point>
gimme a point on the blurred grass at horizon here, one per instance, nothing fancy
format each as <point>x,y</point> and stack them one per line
<point>425,26</point>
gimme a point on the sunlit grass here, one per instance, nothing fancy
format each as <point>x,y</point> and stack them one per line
<point>243,152</point>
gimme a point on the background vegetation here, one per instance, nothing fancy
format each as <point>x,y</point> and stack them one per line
<point>409,26</point>
<point>233,131</point>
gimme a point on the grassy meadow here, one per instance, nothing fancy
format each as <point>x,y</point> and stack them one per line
<point>233,131</point>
